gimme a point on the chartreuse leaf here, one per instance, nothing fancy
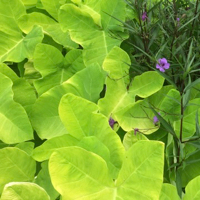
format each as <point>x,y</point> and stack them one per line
<point>87,83</point>
<point>10,35</point>
<point>29,2</point>
<point>27,147</point>
<point>156,99</point>
<point>131,138</point>
<point>146,84</point>
<point>116,65</point>
<point>44,151</point>
<point>15,126</point>
<point>81,26</point>
<point>49,26</point>
<point>168,192</point>
<point>189,122</point>
<point>119,101</point>
<point>192,189</point>
<point>137,116</point>
<point>14,46</point>
<point>119,92</point>
<point>20,87</point>
<point>54,68</point>
<point>74,61</point>
<point>52,6</point>
<point>16,165</point>
<point>140,177</point>
<point>90,123</point>
<point>92,8</point>
<point>111,10</point>
<point>170,107</point>
<point>95,145</point>
<point>23,191</point>
<point>167,102</point>
<point>43,179</point>
<point>80,177</point>
<point>91,143</point>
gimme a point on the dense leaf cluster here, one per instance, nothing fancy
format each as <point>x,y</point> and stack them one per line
<point>99,100</point>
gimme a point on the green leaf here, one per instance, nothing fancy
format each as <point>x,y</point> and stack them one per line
<point>81,26</point>
<point>97,146</point>
<point>90,123</point>
<point>192,189</point>
<point>157,98</point>
<point>52,6</point>
<point>170,106</point>
<point>120,93</point>
<point>191,85</point>
<point>21,166</point>
<point>116,65</point>
<point>15,125</point>
<point>10,34</point>
<point>29,2</point>
<point>27,147</point>
<point>20,87</point>
<point>43,179</point>
<point>191,170</point>
<point>140,177</point>
<point>79,176</point>
<point>189,122</point>
<point>110,11</point>
<point>131,138</point>
<point>23,191</point>
<point>165,124</point>
<point>49,26</point>
<point>87,83</point>
<point>146,84</point>
<point>137,115</point>
<point>44,151</point>
<point>92,8</point>
<point>168,192</point>
<point>197,123</point>
<point>11,38</point>
<point>54,68</point>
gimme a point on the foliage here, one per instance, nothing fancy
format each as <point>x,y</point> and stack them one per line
<point>99,99</point>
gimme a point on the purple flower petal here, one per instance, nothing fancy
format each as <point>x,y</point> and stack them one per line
<point>167,66</point>
<point>135,131</point>
<point>144,16</point>
<point>162,69</point>
<point>162,64</point>
<point>155,119</point>
<point>163,60</point>
<point>111,122</point>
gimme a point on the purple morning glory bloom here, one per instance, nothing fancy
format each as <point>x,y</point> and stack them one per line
<point>144,16</point>
<point>177,19</point>
<point>155,119</point>
<point>111,122</point>
<point>162,64</point>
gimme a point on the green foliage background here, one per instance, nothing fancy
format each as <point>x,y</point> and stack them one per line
<point>66,68</point>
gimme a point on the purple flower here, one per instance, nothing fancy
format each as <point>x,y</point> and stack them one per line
<point>111,122</point>
<point>178,21</point>
<point>144,16</point>
<point>162,64</point>
<point>136,130</point>
<point>155,119</point>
